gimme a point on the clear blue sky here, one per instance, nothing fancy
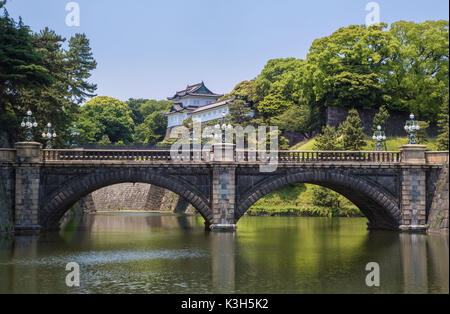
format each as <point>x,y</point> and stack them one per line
<point>150,49</point>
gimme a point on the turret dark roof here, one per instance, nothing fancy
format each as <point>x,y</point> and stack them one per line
<point>214,105</point>
<point>195,90</point>
<point>177,107</point>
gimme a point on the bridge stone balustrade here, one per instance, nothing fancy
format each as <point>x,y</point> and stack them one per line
<point>392,189</point>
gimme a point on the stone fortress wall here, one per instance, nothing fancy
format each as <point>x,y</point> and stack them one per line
<point>134,196</point>
<point>394,125</point>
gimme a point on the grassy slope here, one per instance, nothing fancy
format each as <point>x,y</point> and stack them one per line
<point>392,144</point>
<point>298,199</point>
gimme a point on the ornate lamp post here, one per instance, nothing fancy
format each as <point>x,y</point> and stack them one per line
<point>74,133</point>
<point>380,137</point>
<point>29,122</point>
<point>222,127</point>
<point>49,135</point>
<point>411,127</point>
<point>206,134</point>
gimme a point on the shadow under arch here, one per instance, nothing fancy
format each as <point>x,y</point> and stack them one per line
<point>378,205</point>
<point>56,205</point>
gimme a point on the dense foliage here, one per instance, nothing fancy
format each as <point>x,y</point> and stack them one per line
<point>443,137</point>
<point>380,118</point>
<point>352,132</point>
<point>38,74</point>
<point>48,75</point>
<point>403,68</point>
<point>329,139</point>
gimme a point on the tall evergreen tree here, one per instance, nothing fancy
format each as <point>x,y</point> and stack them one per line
<point>443,137</point>
<point>240,113</point>
<point>352,132</point>
<point>81,64</point>
<point>380,118</point>
<point>20,69</point>
<point>328,139</point>
<point>52,103</point>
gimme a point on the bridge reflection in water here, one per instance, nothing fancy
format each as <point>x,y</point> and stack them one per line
<point>124,252</point>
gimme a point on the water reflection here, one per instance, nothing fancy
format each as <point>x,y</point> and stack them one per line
<point>223,261</point>
<point>152,253</point>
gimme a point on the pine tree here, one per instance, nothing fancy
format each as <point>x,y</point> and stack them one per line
<point>240,113</point>
<point>328,139</point>
<point>352,132</point>
<point>380,118</point>
<point>81,62</point>
<point>421,134</point>
<point>20,70</point>
<point>443,126</point>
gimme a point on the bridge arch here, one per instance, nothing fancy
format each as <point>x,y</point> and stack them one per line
<point>56,205</point>
<point>378,205</point>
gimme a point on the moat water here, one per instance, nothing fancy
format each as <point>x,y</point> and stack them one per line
<point>161,253</point>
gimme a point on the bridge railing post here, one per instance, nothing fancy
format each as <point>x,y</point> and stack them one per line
<point>413,154</point>
<point>223,152</point>
<point>413,193</point>
<point>28,172</point>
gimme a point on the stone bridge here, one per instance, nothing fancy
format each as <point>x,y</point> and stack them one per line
<point>394,190</point>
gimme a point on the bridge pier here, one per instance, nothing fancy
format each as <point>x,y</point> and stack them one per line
<point>413,191</point>
<point>28,173</point>
<point>223,198</point>
<point>223,189</point>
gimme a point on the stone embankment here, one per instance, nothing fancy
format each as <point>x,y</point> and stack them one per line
<point>438,217</point>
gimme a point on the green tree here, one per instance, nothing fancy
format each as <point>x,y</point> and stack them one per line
<point>278,86</point>
<point>141,108</point>
<point>272,105</point>
<point>38,74</point>
<point>81,64</point>
<point>245,91</point>
<point>299,118</point>
<point>325,197</point>
<point>105,116</point>
<point>419,67</point>
<point>135,106</point>
<point>328,139</point>
<point>56,102</point>
<point>380,119</point>
<point>157,123</point>
<point>240,113</point>
<point>152,130</point>
<point>421,134</point>
<point>104,140</point>
<point>352,132</point>
<point>21,69</point>
<point>346,68</point>
<point>443,137</point>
